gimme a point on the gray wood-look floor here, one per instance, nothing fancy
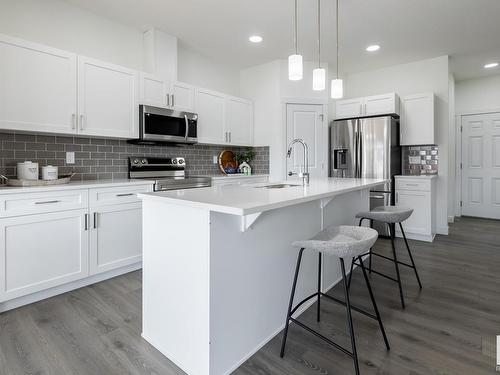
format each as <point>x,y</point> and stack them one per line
<point>448,328</point>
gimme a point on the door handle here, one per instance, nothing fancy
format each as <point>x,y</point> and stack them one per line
<point>73,121</point>
<point>186,121</point>
<point>81,122</point>
<point>229,137</point>
<point>86,221</point>
<point>173,103</point>
<point>168,100</point>
<point>96,215</point>
<point>125,195</point>
<point>47,202</point>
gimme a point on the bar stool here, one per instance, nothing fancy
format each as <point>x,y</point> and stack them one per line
<point>390,215</point>
<point>343,242</point>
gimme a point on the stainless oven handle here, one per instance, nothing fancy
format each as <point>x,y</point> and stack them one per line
<point>187,126</point>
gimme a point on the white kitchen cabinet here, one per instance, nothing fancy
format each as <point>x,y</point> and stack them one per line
<point>210,107</point>
<point>107,99</point>
<point>116,237</point>
<point>37,87</point>
<point>41,251</point>
<point>153,90</point>
<point>239,121</point>
<point>182,96</point>
<point>418,193</point>
<point>367,106</point>
<point>417,120</point>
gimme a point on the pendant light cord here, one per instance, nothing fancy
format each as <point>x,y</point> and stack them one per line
<point>319,33</point>
<point>295,30</point>
<point>337,23</point>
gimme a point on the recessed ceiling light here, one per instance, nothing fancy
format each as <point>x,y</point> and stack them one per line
<point>255,38</point>
<point>491,65</point>
<point>373,48</point>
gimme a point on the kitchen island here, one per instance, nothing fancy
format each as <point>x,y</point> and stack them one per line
<point>218,265</point>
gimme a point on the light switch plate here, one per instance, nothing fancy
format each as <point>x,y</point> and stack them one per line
<point>70,157</point>
<point>215,159</point>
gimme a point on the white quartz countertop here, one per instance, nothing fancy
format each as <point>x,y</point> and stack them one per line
<point>420,176</point>
<point>250,199</point>
<point>74,185</point>
<point>237,175</point>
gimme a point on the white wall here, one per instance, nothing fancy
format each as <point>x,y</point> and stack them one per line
<point>64,26</point>
<point>61,25</point>
<point>478,94</point>
<point>198,70</point>
<point>421,76</point>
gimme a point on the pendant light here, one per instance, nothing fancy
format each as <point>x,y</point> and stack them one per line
<point>319,74</point>
<point>295,68</point>
<point>337,89</point>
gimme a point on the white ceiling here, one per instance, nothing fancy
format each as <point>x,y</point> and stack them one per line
<point>407,30</point>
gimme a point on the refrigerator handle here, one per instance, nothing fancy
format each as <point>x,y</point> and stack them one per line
<point>360,153</point>
<point>356,155</point>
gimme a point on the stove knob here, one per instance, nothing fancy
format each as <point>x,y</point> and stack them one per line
<point>181,161</point>
<point>174,161</point>
<point>144,161</point>
<point>136,161</point>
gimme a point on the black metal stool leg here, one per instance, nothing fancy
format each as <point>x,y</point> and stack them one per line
<point>411,257</point>
<point>369,287</point>
<point>370,265</point>
<point>290,304</point>
<point>350,274</point>
<point>349,318</point>
<point>393,235</point>
<point>319,288</point>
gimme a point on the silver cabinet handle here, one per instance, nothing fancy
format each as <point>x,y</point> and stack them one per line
<point>230,137</point>
<point>225,136</point>
<point>173,103</point>
<point>96,215</point>
<point>168,100</point>
<point>47,202</point>
<point>361,109</point>
<point>73,121</point>
<point>187,126</point>
<point>125,195</point>
<point>81,122</point>
<point>407,184</point>
<point>86,221</point>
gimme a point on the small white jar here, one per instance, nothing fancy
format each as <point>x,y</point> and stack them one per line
<point>27,171</point>
<point>49,173</point>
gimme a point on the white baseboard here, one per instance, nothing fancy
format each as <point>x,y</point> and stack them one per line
<point>442,230</point>
<point>51,292</point>
<point>417,236</point>
<point>451,219</point>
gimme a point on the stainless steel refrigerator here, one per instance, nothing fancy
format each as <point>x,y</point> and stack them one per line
<point>369,148</point>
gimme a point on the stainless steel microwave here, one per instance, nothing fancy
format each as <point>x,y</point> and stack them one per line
<point>161,125</point>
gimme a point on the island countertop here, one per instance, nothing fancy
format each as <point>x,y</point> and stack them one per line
<point>251,199</point>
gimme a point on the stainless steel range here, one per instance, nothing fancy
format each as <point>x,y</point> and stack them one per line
<point>168,173</point>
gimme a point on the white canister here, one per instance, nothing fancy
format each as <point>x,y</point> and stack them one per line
<point>27,171</point>
<point>49,172</point>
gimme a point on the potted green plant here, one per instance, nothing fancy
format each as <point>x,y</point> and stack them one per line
<point>243,159</point>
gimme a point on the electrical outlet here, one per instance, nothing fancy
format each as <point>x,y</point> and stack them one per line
<point>215,159</point>
<point>70,157</point>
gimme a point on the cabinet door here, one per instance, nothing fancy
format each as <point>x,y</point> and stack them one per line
<point>37,87</point>
<point>210,108</point>
<point>349,108</point>
<point>417,120</point>
<point>239,121</point>
<point>182,97</point>
<point>116,237</point>
<point>42,251</point>
<point>153,91</point>
<point>420,220</point>
<point>381,104</point>
<point>107,99</point>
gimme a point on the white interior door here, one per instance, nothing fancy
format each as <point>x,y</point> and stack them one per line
<point>481,165</point>
<point>306,121</point>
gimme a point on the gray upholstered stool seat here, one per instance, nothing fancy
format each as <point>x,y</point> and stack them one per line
<point>387,214</point>
<point>342,241</point>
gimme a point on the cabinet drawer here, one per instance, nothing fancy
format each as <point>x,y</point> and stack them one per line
<point>118,195</point>
<point>35,203</point>
<point>413,184</point>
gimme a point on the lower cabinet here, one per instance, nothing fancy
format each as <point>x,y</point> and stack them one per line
<point>417,193</point>
<point>41,251</point>
<point>116,237</point>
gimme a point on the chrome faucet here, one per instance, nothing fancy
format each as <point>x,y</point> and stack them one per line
<point>305,167</point>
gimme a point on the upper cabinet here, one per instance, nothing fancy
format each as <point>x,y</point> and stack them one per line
<point>107,99</point>
<point>239,121</point>
<point>37,87</point>
<point>367,106</point>
<point>417,119</point>
<point>160,93</point>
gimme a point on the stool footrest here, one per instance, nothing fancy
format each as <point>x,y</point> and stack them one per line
<point>302,302</point>
<point>339,301</point>
<point>381,274</point>
<point>392,260</point>
<point>324,338</point>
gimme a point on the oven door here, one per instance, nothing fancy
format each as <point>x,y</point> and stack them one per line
<point>165,125</point>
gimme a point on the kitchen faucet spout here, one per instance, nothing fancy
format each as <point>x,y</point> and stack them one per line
<point>304,174</point>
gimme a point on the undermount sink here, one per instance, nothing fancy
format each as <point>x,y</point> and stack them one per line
<point>278,186</point>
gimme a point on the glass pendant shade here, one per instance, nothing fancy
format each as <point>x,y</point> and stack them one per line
<point>295,68</point>
<point>337,90</point>
<point>319,79</point>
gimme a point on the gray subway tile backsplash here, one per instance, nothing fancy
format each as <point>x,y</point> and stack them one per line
<point>97,158</point>
<point>419,160</point>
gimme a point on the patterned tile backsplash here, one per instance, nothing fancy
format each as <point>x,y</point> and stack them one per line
<point>419,160</point>
<point>97,158</point>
